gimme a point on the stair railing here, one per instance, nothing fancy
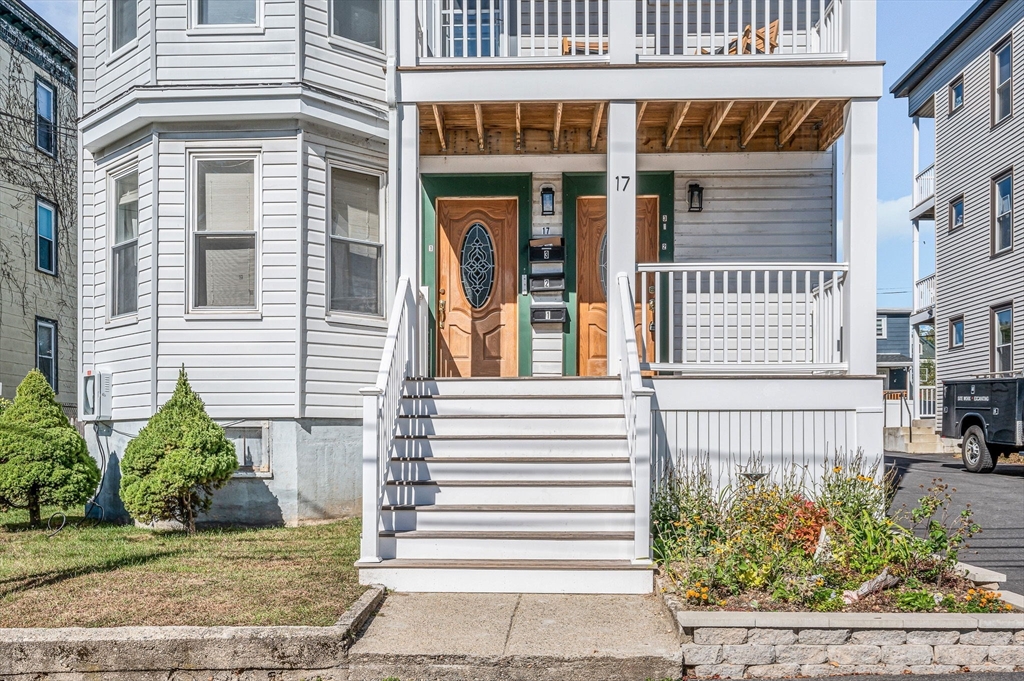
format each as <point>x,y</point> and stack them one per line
<point>381,404</point>
<point>637,404</point>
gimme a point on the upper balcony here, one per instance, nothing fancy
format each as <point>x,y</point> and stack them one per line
<point>924,195</point>
<point>666,30</point>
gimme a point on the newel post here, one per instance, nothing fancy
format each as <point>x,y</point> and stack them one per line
<point>369,546</point>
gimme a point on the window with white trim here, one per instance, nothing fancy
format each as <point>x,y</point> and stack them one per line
<point>356,250</point>
<point>1002,76</point>
<point>224,247</point>
<point>46,117</point>
<point>46,236</point>
<point>227,12</point>
<point>1003,213</point>
<point>1002,339</point>
<point>124,23</point>
<point>46,350</point>
<point>956,332</point>
<point>358,20</point>
<point>881,327</point>
<point>251,447</point>
<point>125,250</point>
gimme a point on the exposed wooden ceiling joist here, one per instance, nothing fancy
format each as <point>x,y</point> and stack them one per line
<point>752,123</point>
<point>675,121</point>
<point>479,112</point>
<point>519,128</point>
<point>439,122</point>
<point>557,131</point>
<point>801,110</point>
<point>595,125</point>
<point>640,115</point>
<point>831,128</point>
<point>714,121</point>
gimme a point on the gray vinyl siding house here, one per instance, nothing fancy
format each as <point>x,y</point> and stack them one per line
<point>979,144</point>
<point>893,345</point>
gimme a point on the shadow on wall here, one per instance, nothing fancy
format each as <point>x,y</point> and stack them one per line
<point>108,498</point>
<point>244,501</point>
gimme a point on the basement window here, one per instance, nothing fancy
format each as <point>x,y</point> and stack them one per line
<point>251,447</point>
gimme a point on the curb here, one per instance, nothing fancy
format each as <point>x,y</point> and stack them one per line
<point>353,619</point>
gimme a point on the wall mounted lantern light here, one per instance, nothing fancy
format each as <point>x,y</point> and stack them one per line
<point>695,198</point>
<point>547,200</point>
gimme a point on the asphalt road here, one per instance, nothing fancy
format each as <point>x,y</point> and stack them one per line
<point>996,499</point>
<point>969,676</point>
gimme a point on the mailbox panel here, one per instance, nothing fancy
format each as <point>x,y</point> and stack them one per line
<point>548,315</point>
<point>547,282</point>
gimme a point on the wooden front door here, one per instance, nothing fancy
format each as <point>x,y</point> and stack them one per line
<point>477,261</point>
<point>594,281</point>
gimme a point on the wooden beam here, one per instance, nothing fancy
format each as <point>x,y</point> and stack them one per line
<point>595,125</point>
<point>754,120</point>
<point>519,128</point>
<point>557,132</point>
<point>714,122</point>
<point>479,125</point>
<point>675,122</point>
<point>795,119</point>
<point>640,116</point>
<point>831,128</point>
<point>439,122</point>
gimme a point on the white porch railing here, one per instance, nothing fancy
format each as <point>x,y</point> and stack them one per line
<point>926,397</point>
<point>512,28</point>
<point>924,293</point>
<point>637,402</point>
<point>924,185</point>
<point>711,28</point>
<point>401,360</point>
<point>744,318</point>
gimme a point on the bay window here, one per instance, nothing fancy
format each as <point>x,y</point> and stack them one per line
<point>355,248</point>
<point>125,251</point>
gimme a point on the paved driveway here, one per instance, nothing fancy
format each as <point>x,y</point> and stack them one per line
<point>997,500</point>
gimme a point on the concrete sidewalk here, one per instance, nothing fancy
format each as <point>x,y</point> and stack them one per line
<point>510,636</point>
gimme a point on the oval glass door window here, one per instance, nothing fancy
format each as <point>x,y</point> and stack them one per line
<point>476,265</point>
<point>602,265</point>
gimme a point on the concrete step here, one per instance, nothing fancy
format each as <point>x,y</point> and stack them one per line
<point>509,493</point>
<point>490,468</point>
<point>516,446</point>
<point>924,423</point>
<point>523,518</point>
<point>530,387</point>
<point>503,545</point>
<point>513,424</point>
<point>523,406</point>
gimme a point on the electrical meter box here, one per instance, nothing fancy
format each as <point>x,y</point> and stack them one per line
<point>97,389</point>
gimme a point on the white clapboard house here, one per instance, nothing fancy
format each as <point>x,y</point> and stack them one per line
<point>485,270</point>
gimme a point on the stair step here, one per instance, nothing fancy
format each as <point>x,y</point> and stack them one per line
<point>528,386</point>
<point>522,406</point>
<point>512,424</point>
<point>498,469</point>
<point>499,545</point>
<point>585,493</point>
<point>496,508</point>
<point>442,446</point>
<point>505,535</point>
<point>525,518</point>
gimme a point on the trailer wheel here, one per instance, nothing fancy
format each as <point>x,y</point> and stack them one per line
<point>975,453</point>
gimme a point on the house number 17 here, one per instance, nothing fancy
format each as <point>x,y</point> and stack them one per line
<point>621,182</point>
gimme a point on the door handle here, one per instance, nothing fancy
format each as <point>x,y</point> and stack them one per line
<point>650,304</point>
<point>441,315</point>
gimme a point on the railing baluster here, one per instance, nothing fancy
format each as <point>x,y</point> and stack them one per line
<point>586,24</point>
<point>712,29</point>
<point>601,32</point>
<point>700,303</point>
<point>672,26</point>
<point>684,334</point>
<point>642,301</point>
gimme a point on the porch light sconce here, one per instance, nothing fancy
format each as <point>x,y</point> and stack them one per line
<point>547,200</point>
<point>695,198</point>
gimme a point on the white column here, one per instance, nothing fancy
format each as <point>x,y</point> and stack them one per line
<point>622,31</point>
<point>915,350</point>
<point>860,234</point>
<point>405,15</point>
<point>406,195</point>
<point>917,155</point>
<point>858,19</point>
<point>621,193</point>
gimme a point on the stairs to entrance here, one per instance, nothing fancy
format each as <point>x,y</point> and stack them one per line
<point>919,438</point>
<point>509,485</point>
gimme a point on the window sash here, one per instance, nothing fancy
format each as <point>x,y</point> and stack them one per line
<point>225,270</point>
<point>360,21</point>
<point>125,261</point>
<point>46,239</point>
<point>1003,80</point>
<point>956,215</point>
<point>956,95</point>
<point>956,333</point>
<point>354,288</point>
<point>46,115</point>
<point>1004,213</point>
<point>227,12</point>
<point>125,23</point>
<point>1003,340</point>
<point>46,350</point>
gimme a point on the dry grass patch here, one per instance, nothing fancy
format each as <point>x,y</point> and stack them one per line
<point>109,575</point>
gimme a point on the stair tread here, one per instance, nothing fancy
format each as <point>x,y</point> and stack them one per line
<point>511,437</point>
<point>513,483</point>
<point>484,534</point>
<point>512,416</point>
<point>513,459</point>
<point>506,564</point>
<point>506,508</point>
<point>542,396</point>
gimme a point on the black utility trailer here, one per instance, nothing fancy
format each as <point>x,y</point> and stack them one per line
<point>988,413</point>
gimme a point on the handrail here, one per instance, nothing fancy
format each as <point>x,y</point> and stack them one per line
<point>381,404</point>
<point>637,407</point>
<point>719,266</point>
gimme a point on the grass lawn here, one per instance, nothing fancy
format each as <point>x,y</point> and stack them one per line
<point>116,575</point>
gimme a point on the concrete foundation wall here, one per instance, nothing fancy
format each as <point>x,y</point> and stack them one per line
<point>315,473</point>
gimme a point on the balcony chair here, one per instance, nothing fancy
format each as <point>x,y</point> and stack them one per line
<point>745,42</point>
<point>583,47</point>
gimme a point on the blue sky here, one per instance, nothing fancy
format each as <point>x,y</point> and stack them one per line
<point>906,28</point>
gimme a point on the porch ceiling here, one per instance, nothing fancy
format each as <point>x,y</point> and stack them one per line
<point>662,126</point>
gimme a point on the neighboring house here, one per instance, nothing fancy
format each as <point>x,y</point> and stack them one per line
<point>969,82</point>
<point>362,224</point>
<point>38,204</point>
<point>892,331</point>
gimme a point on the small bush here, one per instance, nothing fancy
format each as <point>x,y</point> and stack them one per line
<point>172,467</point>
<point>43,459</point>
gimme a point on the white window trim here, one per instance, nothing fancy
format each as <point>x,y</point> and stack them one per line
<point>344,316</point>
<point>112,54</point>
<point>195,28</point>
<point>221,153</point>
<point>995,216</point>
<point>268,450</point>
<point>1004,45</point>
<point>995,337</point>
<point>35,115</point>
<point>54,260</point>
<point>343,43</point>
<point>885,328</point>
<point>113,176</point>
<point>52,325</point>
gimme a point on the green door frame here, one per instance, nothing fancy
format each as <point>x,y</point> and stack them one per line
<point>493,186</point>
<point>575,185</point>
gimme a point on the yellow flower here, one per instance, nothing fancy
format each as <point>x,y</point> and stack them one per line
<point>837,469</point>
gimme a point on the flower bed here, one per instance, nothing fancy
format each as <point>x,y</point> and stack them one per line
<point>788,544</point>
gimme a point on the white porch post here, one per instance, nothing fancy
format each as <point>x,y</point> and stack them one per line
<point>621,33</point>
<point>915,349</point>
<point>858,26</point>
<point>860,234</point>
<point>621,197</point>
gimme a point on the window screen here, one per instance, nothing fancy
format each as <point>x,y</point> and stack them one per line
<point>238,12</point>
<point>225,239</point>
<point>357,20</point>
<point>125,253</point>
<point>355,243</point>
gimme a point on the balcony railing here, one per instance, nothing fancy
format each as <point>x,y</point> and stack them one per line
<point>926,397</point>
<point>924,185</point>
<point>707,28</point>
<point>513,28</point>
<point>744,317</point>
<point>924,293</point>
